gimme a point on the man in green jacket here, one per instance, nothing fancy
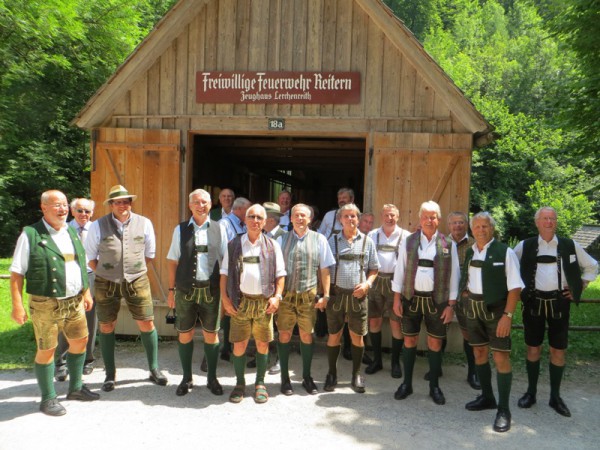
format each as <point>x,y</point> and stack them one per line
<point>51,257</point>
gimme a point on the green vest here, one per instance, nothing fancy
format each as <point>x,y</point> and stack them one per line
<point>566,247</point>
<point>493,277</point>
<point>301,265</point>
<point>46,268</point>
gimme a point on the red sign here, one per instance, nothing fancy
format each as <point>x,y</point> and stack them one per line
<point>278,87</point>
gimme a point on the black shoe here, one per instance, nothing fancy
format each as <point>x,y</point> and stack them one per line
<point>88,367</point>
<point>437,395</point>
<point>558,405</point>
<point>61,373</point>
<point>403,391</point>
<point>358,384</point>
<point>473,381</point>
<point>109,383</point>
<point>157,377</point>
<point>83,394</point>
<point>286,387</point>
<point>52,408</point>
<point>251,364</point>
<point>330,383</point>
<point>374,367</point>
<point>396,371</point>
<point>204,365</point>
<point>347,353</point>
<point>527,401</point>
<point>502,422</point>
<point>481,403</point>
<point>215,387</point>
<point>366,359</point>
<point>426,376</point>
<point>225,355</point>
<point>184,387</point>
<point>309,385</point>
<point>275,368</point>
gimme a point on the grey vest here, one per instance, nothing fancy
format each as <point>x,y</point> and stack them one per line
<point>301,265</point>
<point>121,257</point>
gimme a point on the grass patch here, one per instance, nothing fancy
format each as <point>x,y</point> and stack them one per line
<point>17,344</point>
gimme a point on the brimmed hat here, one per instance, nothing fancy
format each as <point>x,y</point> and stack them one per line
<point>117,192</point>
<point>272,210</point>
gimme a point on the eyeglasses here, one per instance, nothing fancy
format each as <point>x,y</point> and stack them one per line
<point>255,217</point>
<point>120,202</point>
<point>83,211</point>
<point>58,205</point>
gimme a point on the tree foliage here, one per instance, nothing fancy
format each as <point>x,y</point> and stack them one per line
<point>505,57</point>
<point>54,54</point>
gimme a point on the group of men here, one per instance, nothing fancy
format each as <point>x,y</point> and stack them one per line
<point>253,267</point>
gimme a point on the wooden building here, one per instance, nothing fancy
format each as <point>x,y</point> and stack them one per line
<point>257,95</point>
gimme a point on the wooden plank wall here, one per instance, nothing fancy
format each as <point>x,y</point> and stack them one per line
<point>146,162</point>
<point>275,35</point>
<point>415,167</point>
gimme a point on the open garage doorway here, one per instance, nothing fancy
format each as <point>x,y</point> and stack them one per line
<point>259,167</point>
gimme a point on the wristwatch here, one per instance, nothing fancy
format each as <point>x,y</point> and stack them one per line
<point>508,314</point>
<point>278,297</point>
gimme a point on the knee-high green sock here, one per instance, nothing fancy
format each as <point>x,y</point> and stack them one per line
<point>556,374</point>
<point>409,355</point>
<point>262,360</point>
<point>186,351</point>
<point>150,343</point>
<point>306,350</point>
<point>44,374</point>
<point>533,374</point>
<point>239,366</point>
<point>357,355</point>
<point>75,364</point>
<point>435,367</point>
<point>107,348</point>
<point>470,357</point>
<point>283,350</point>
<point>332,356</point>
<point>484,372</point>
<point>396,349</point>
<point>376,345</point>
<point>504,384</point>
<point>212,357</point>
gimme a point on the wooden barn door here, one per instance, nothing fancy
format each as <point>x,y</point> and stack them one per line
<point>410,168</point>
<point>146,162</point>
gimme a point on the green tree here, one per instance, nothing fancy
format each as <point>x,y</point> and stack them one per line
<point>54,54</point>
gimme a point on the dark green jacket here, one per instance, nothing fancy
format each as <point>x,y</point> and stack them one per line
<point>493,273</point>
<point>46,272</point>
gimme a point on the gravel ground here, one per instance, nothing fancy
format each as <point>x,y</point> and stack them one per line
<point>139,414</point>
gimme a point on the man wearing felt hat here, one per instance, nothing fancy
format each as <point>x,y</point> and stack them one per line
<point>272,228</point>
<point>118,246</point>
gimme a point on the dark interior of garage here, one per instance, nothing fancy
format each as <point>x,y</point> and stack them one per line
<point>258,167</point>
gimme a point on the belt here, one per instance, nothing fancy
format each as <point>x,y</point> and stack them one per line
<point>385,275</point>
<point>423,294</point>
<point>253,297</point>
<point>200,284</point>
<point>477,297</point>
<point>546,295</point>
<point>339,290</point>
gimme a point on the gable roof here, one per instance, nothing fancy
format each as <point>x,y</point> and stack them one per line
<point>587,235</point>
<point>102,103</point>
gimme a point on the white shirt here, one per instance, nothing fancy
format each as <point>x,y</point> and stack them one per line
<point>425,275</point>
<point>512,270</point>
<point>545,275</point>
<point>329,224</point>
<point>284,221</point>
<point>82,236</point>
<point>92,242</point>
<point>387,260</point>
<point>62,239</point>
<point>250,281</point>
<point>203,272</point>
